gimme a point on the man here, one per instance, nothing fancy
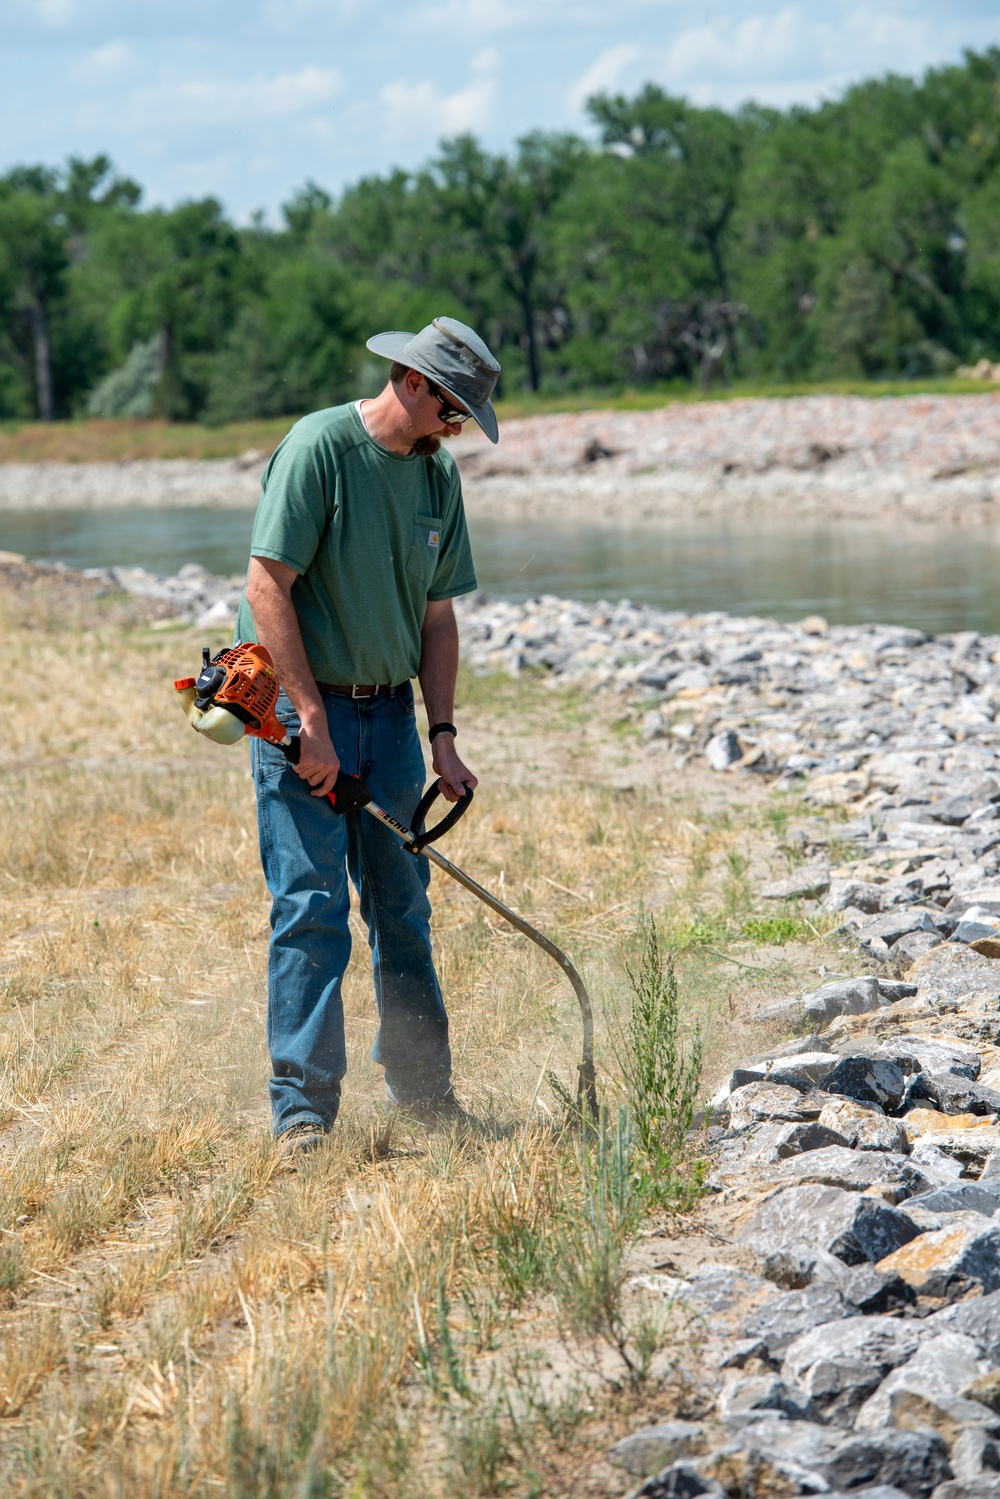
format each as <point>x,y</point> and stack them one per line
<point>359,546</point>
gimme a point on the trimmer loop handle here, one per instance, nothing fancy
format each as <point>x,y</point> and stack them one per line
<point>350,794</point>
<point>428,799</point>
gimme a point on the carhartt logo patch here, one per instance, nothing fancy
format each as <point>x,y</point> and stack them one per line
<point>432,538</point>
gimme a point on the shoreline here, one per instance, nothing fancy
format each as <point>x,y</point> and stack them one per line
<point>900,460</point>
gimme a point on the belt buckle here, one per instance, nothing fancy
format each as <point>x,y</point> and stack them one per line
<point>361,695</point>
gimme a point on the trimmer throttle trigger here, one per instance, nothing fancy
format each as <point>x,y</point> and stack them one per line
<point>349,794</point>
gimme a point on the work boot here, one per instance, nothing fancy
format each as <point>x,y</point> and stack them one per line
<point>441,1112</point>
<point>300,1139</point>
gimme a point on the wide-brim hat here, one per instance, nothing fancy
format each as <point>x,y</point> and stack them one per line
<point>454,357</point>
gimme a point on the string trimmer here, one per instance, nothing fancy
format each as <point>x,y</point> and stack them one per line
<point>236,694</point>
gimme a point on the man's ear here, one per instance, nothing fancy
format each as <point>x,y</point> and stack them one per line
<point>411,384</point>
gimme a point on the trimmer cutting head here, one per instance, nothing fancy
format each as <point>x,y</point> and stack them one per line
<point>235,695</point>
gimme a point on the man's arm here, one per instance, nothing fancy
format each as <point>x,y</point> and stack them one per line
<point>269,594</point>
<point>438,671</point>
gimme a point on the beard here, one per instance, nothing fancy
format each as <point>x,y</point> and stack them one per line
<point>426,447</point>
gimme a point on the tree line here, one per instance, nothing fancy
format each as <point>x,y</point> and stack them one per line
<point>857,238</point>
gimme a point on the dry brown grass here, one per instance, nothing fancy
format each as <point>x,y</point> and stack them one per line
<point>179,1316</point>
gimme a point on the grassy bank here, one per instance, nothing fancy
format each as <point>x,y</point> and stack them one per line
<point>127,441</point>
<point>407,1313</point>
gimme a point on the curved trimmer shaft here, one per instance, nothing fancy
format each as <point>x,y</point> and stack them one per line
<point>586,1091</point>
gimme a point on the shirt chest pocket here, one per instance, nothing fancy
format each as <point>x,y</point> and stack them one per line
<point>425,548</point>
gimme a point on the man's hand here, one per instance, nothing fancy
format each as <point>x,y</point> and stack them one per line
<point>318,763</point>
<point>451,769</point>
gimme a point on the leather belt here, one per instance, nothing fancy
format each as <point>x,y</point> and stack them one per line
<point>354,689</point>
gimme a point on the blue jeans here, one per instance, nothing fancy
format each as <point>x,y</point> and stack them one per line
<point>307,851</point>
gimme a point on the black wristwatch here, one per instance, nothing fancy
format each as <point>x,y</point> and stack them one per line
<point>441,728</point>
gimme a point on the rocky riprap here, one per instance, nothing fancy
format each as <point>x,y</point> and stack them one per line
<point>850,1329</point>
<point>849,1333</point>
<point>191,596</point>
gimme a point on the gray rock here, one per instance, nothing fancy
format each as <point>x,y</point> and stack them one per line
<point>902,892</point>
<point>723,750</point>
<point>941,1366</point>
<point>882,1134</point>
<point>795,1266</point>
<point>951,1261</point>
<point>952,972</point>
<point>975,1452</point>
<point>978,1319</point>
<point>864,1126</point>
<point>654,1447</point>
<point>951,1094</point>
<point>796,1139</point>
<point>783,1318</point>
<point>938,1168</point>
<point>869,1080</point>
<point>679,1481</point>
<point>982,1487</point>
<point>974,931</point>
<point>848,1225</point>
<point>954,811</point>
<point>870,1290</point>
<point>962,1197</point>
<point>947,1415</point>
<point>745,1400</point>
<point>921,1053</point>
<point>970,1145</point>
<point>798,1047</point>
<point>880,1491</point>
<point>914,945</point>
<point>893,990</point>
<point>854,1170</point>
<point>775,1455</point>
<point>805,884</point>
<point>987,896</point>
<point>652,726</point>
<point>756,1102</point>
<point>804,1071</point>
<point>865,1287</point>
<point>839,1364</point>
<point>896,924</point>
<point>857,893</point>
<point>717,1289</point>
<point>841,997</point>
<point>915,1461</point>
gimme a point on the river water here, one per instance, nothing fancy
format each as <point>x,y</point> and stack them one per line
<point>934,579</point>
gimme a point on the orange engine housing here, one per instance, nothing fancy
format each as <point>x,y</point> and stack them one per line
<point>250,690</point>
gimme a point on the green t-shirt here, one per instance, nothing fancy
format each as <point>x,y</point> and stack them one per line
<point>372,534</point>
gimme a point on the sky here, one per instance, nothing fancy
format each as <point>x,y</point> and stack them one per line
<point>246,100</point>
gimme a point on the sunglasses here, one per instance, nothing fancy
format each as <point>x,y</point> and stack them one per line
<point>447,413</point>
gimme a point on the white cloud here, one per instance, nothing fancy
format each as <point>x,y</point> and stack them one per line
<point>418,109</point>
<point>602,74</point>
<point>297,17</point>
<point>799,53</point>
<point>110,58</point>
<point>55,13</point>
<point>761,46</point>
<point>486,61</point>
<point>223,101</point>
<point>480,17</point>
